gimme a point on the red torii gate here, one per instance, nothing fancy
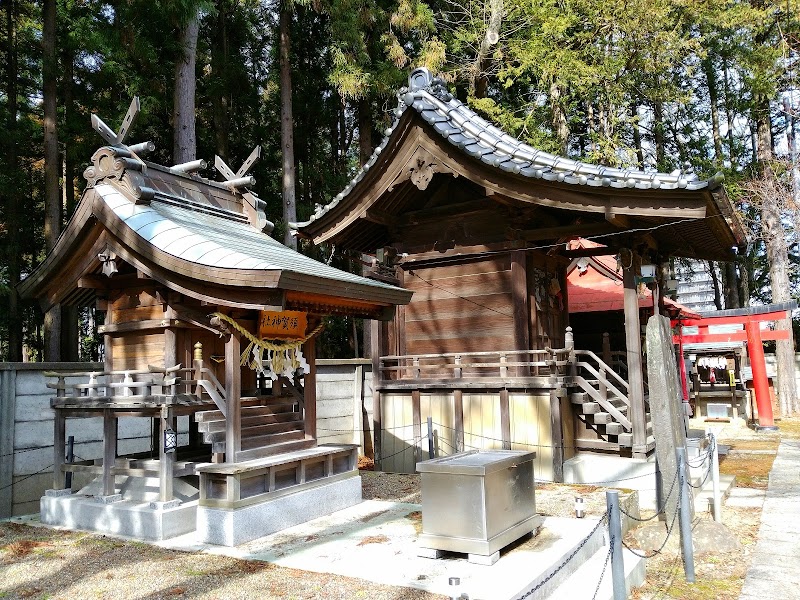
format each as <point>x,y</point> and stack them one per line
<point>750,318</point>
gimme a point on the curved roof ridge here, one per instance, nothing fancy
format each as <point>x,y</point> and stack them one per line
<point>477,137</point>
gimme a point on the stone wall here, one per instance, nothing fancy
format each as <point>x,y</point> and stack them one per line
<point>344,389</point>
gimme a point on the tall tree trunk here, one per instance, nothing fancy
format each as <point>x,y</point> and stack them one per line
<point>12,188</point>
<point>287,128</point>
<point>658,133</point>
<point>778,259</point>
<point>184,148</point>
<point>479,82</point>
<point>734,158</point>
<point>713,99</point>
<point>220,94</point>
<point>730,285</point>
<point>559,118</point>
<point>52,195</point>
<point>69,314</point>
<point>637,136</point>
<point>715,282</point>
<point>364,130</point>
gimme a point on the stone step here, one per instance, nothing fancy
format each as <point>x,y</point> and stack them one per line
<point>590,408</point>
<point>602,418</point>
<point>580,398</point>
<point>249,420</point>
<point>614,428</point>
<point>256,431</point>
<point>260,441</point>
<point>271,450</point>
<point>281,404</point>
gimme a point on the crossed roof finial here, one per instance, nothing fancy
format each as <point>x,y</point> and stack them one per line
<point>118,139</point>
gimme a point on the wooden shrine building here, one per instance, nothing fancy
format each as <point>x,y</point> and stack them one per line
<point>205,315</point>
<point>475,223</point>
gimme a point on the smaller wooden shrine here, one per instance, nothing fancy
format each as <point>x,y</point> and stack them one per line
<point>206,316</point>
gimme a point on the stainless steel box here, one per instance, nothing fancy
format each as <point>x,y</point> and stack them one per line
<point>477,502</point>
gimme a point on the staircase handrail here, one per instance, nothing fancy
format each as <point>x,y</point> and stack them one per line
<point>609,370</point>
<point>607,406</point>
<point>609,387</point>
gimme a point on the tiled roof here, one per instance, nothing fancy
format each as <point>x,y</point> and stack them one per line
<point>216,240</point>
<point>475,136</point>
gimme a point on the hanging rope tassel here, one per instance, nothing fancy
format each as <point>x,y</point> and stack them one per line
<point>282,357</point>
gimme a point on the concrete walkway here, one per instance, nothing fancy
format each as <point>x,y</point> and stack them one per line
<point>775,569</point>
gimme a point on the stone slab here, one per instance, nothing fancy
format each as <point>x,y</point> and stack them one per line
<point>233,527</point>
<point>124,518</point>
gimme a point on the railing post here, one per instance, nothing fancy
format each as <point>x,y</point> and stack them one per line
<point>92,384</point>
<point>503,367</point>
<point>569,344</point>
<point>615,533</point>
<point>430,437</point>
<point>416,368</point>
<point>126,391</point>
<point>715,478</point>
<point>685,516</point>
<point>198,367</point>
<point>607,358</point>
<point>457,369</point>
<point>62,383</point>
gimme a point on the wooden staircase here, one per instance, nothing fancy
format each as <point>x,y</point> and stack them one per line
<point>611,433</point>
<point>269,425</point>
<point>600,400</point>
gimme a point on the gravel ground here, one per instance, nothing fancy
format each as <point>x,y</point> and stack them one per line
<point>37,562</point>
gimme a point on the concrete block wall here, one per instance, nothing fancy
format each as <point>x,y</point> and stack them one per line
<point>344,400</point>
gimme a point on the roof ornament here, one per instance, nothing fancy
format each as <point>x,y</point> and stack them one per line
<point>118,162</point>
<point>255,207</point>
<point>117,140</point>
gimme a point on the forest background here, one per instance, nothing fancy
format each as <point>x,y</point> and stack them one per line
<point>707,85</point>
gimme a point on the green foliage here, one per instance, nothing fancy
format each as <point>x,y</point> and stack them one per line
<point>623,82</point>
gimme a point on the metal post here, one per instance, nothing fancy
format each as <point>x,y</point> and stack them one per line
<point>685,516</point>
<point>660,507</point>
<point>70,459</point>
<point>715,478</point>
<point>615,533</point>
<point>430,437</point>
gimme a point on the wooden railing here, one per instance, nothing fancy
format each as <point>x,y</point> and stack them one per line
<point>156,384</point>
<point>464,365</point>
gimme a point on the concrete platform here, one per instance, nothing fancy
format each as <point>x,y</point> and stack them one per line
<point>236,526</point>
<point>377,541</point>
<point>113,515</point>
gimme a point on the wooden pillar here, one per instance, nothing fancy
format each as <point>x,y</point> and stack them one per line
<point>233,392</point>
<point>519,299</point>
<point>557,436</point>
<point>310,388</point>
<point>166,460</point>
<point>634,358</point>
<point>378,342</point>
<point>505,419</point>
<point>109,451</point>
<point>59,439</point>
<point>458,419</point>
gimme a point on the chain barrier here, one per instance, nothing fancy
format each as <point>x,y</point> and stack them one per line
<point>566,561</point>
<point>712,446</point>
<point>666,539</point>
<point>13,483</point>
<point>659,510</point>
<point>605,565</point>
